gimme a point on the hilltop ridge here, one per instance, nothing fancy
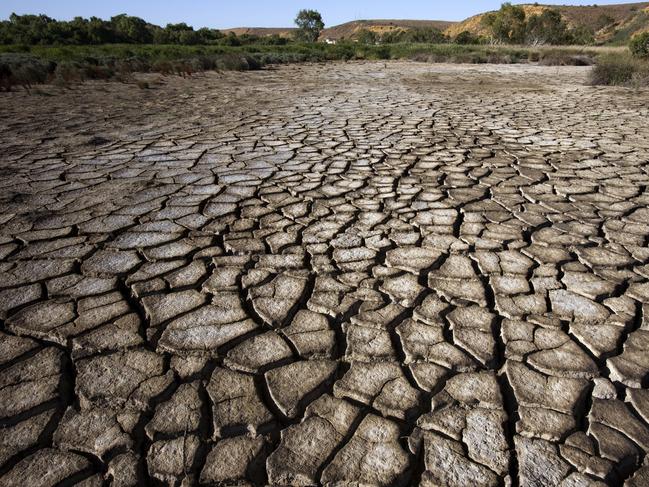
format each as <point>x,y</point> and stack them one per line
<point>615,23</point>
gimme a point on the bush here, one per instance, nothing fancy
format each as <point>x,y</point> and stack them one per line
<point>620,70</point>
<point>232,62</point>
<point>639,46</point>
<point>23,70</point>
<point>69,72</point>
<point>556,57</point>
<point>466,38</point>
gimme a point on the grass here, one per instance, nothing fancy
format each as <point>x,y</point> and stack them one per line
<point>26,65</point>
<point>621,70</point>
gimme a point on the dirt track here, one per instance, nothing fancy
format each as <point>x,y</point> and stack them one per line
<point>343,274</point>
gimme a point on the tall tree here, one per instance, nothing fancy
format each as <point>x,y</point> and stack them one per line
<point>546,28</point>
<point>507,24</point>
<point>131,29</point>
<point>310,24</point>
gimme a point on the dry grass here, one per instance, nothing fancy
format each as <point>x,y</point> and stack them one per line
<point>620,70</point>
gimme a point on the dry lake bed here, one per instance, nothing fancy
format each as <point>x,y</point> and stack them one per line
<point>355,274</point>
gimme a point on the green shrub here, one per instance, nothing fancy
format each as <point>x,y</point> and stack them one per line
<point>466,38</point>
<point>622,70</point>
<point>639,46</point>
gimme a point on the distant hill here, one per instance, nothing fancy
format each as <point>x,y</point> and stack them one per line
<point>610,23</point>
<point>261,31</point>
<point>349,29</point>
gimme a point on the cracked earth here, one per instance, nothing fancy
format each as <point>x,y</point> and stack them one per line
<point>345,274</point>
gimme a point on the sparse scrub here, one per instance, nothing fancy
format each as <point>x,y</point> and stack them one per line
<point>72,64</point>
<point>622,70</point>
<point>232,62</point>
<point>67,73</point>
<point>557,57</point>
<point>22,70</point>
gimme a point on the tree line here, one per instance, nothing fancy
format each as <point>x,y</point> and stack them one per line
<point>120,29</point>
<point>511,25</point>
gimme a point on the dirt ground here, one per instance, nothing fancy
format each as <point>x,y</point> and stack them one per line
<point>350,274</point>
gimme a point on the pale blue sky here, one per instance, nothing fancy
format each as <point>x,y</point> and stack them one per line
<point>256,13</point>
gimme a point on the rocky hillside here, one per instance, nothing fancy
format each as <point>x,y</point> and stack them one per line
<point>610,23</point>
<point>350,29</point>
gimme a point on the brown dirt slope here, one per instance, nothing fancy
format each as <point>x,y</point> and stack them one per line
<point>261,31</point>
<point>349,29</point>
<point>614,23</point>
<point>610,22</point>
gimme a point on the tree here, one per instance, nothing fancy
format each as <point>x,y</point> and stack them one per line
<point>309,23</point>
<point>130,29</point>
<point>639,45</point>
<point>366,36</point>
<point>393,36</point>
<point>508,24</point>
<point>426,34</point>
<point>209,36</point>
<point>546,28</point>
<point>99,31</point>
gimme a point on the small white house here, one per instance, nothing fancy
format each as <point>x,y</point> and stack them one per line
<point>330,41</point>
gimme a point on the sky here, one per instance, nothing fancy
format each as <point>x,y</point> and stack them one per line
<point>222,14</point>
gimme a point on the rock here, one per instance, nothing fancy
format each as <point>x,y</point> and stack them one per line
<point>95,432</point>
<point>445,464</point>
<point>30,382</point>
<point>304,447</point>
<point>568,305</point>
<point>207,327</point>
<point>412,259</point>
<point>234,460</point>
<point>290,384</point>
<point>372,456</point>
<point>163,307</point>
<point>404,289</point>
<point>121,380</point>
<point>539,462</point>
<point>45,468</point>
<point>12,347</point>
<point>43,320</point>
<point>537,390</point>
<point>106,263</point>
<point>169,460</point>
<point>457,280</point>
<point>23,435</point>
<point>235,403</point>
<point>179,415</point>
<point>311,335</point>
<point>274,301</point>
<point>123,470</point>
<point>258,352</point>
<point>381,385</point>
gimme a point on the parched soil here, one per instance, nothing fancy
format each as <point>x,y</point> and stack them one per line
<point>384,274</point>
